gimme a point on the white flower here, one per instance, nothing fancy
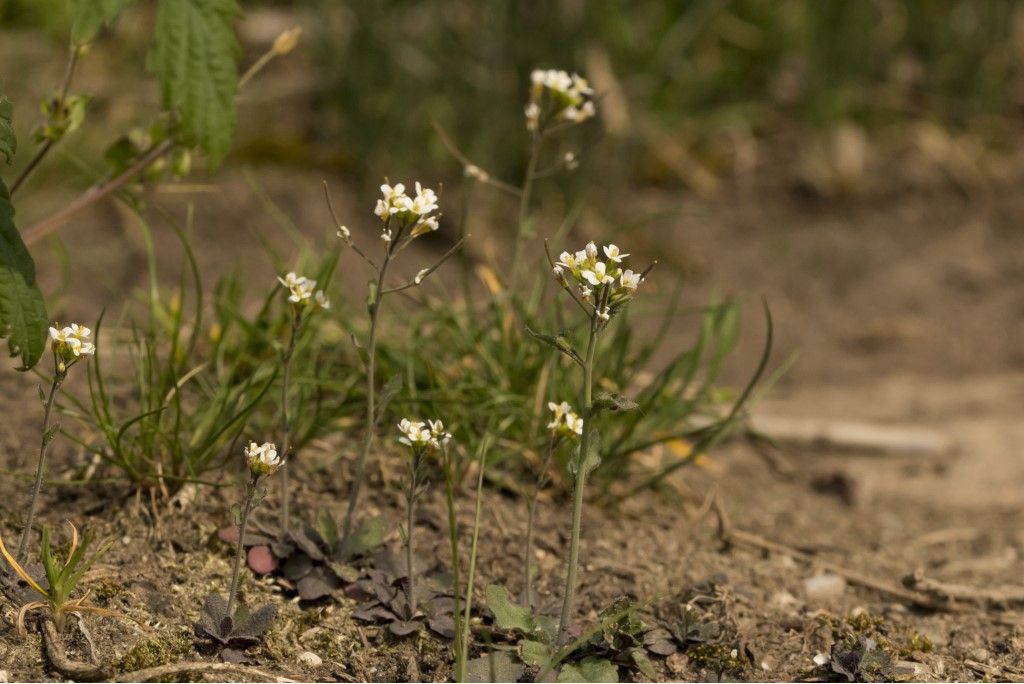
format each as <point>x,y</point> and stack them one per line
<point>537,77</point>
<point>392,193</point>
<point>426,225</point>
<point>322,300</point>
<point>423,273</point>
<point>630,281</point>
<point>591,250</point>
<point>386,236</point>
<point>574,423</point>
<point>383,209</point>
<point>559,81</point>
<point>345,234</point>
<point>299,287</point>
<point>585,292</point>
<point>415,433</point>
<point>564,419</point>
<point>570,161</point>
<point>568,260</point>
<point>598,275</point>
<point>262,459</point>
<point>72,341</point>
<point>426,200</point>
<point>439,436</point>
<point>612,252</point>
<point>604,314</point>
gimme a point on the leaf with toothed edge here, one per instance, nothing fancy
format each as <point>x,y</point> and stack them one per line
<point>195,60</point>
<point>23,318</point>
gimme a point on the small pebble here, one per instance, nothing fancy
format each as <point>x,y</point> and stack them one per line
<point>821,659</point>
<point>311,659</point>
<point>824,586</point>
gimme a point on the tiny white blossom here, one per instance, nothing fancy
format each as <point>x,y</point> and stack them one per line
<point>570,161</point>
<point>598,275</point>
<point>262,459</point>
<point>299,287</point>
<point>345,234</point>
<point>612,252</point>
<point>567,260</point>
<point>72,341</point>
<point>386,236</point>
<point>605,313</point>
<point>585,292</point>
<point>574,423</point>
<point>537,77</point>
<point>421,275</point>
<point>426,225</point>
<point>591,249</point>
<point>630,281</point>
<point>383,210</point>
<point>322,300</point>
<point>439,436</point>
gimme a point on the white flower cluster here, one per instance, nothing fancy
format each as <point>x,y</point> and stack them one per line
<point>422,435</point>
<point>302,291</point>
<point>603,284</point>
<point>72,342</point>
<point>564,420</point>
<point>418,211</point>
<point>571,97</point>
<point>262,459</point>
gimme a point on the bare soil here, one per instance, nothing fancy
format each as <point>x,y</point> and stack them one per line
<point>905,308</point>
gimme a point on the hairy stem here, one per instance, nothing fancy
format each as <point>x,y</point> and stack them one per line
<point>58,378</point>
<point>371,404</point>
<point>569,601</point>
<point>41,153</point>
<point>461,676</point>
<point>250,494</point>
<point>285,434</point>
<point>453,540</point>
<point>542,479</point>
<point>410,522</point>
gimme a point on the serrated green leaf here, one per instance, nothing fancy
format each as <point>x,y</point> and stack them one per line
<point>8,142</point>
<point>508,615</point>
<point>590,670</point>
<point>195,60</point>
<point>535,653</point>
<point>22,310</point>
<point>88,16</point>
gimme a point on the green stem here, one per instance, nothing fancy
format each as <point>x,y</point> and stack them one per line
<point>453,540</point>
<point>40,468</point>
<point>285,434</point>
<point>524,207</point>
<point>48,145</point>
<point>371,403</point>
<point>461,676</point>
<point>530,517</point>
<point>250,492</point>
<point>568,603</point>
<point>410,521</point>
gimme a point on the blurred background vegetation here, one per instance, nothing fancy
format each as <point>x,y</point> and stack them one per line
<point>693,91</point>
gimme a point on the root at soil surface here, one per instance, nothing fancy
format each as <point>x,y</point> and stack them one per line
<point>85,672</point>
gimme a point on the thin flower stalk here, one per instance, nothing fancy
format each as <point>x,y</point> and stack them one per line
<point>404,218</point>
<point>69,345</point>
<point>262,460</point>
<point>449,469</point>
<point>463,659</point>
<point>303,299</point>
<point>422,438</point>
